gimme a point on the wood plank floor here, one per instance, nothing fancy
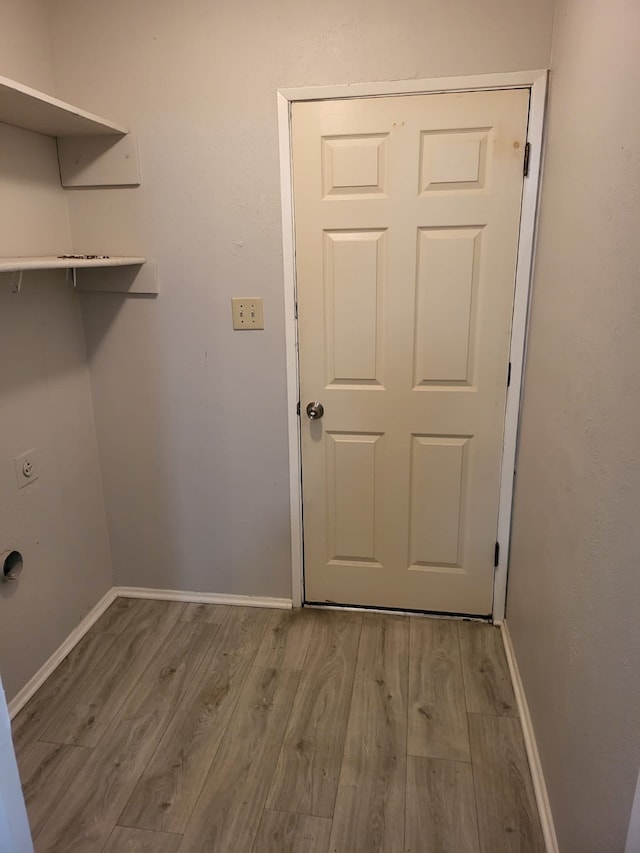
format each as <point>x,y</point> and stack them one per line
<point>183,728</point>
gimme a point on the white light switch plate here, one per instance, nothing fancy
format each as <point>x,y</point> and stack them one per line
<point>247,312</point>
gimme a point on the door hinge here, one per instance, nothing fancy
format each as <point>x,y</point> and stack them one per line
<point>496,555</point>
<point>527,156</point>
<point>295,309</point>
<point>298,409</point>
<point>509,375</point>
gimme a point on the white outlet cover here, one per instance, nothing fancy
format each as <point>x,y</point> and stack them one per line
<point>27,468</point>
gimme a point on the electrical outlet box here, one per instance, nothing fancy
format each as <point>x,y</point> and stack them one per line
<point>27,468</point>
<point>247,313</point>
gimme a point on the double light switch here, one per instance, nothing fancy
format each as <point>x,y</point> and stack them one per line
<point>247,313</point>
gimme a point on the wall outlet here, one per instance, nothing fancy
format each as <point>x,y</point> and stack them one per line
<point>247,313</point>
<point>27,468</point>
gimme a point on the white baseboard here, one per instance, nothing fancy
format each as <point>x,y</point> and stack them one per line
<point>202,597</point>
<point>22,697</point>
<point>535,765</point>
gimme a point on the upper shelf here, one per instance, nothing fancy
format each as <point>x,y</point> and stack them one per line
<point>32,110</point>
<point>55,262</point>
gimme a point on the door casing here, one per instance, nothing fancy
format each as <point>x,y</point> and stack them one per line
<point>536,81</point>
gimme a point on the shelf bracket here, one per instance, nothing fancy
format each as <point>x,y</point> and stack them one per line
<point>16,281</point>
<point>72,274</point>
<point>98,161</point>
<point>138,278</point>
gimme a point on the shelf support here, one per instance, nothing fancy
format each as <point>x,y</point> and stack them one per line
<point>16,281</point>
<point>118,274</point>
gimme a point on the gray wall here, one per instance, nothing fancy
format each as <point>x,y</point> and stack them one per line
<point>58,523</point>
<point>574,588</point>
<point>191,416</point>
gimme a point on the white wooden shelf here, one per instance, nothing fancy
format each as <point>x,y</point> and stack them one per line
<point>113,274</point>
<point>60,263</point>
<point>33,110</point>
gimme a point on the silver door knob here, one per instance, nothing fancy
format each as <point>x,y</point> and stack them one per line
<point>315,411</point>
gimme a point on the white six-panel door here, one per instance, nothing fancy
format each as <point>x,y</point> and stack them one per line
<point>407,215</point>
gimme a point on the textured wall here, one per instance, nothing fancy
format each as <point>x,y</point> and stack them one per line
<point>24,43</point>
<point>574,587</point>
<point>190,415</point>
<point>58,523</point>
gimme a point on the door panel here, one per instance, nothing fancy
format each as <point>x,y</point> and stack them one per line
<point>454,160</point>
<point>438,489</point>
<point>407,217</point>
<point>355,165</point>
<point>354,288</point>
<point>352,471</point>
<point>448,260</point>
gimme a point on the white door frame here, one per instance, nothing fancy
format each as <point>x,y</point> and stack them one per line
<point>536,81</point>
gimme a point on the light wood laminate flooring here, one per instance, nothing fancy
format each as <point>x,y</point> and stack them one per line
<point>184,728</point>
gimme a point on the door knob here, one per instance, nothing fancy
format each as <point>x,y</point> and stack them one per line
<point>315,411</point>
